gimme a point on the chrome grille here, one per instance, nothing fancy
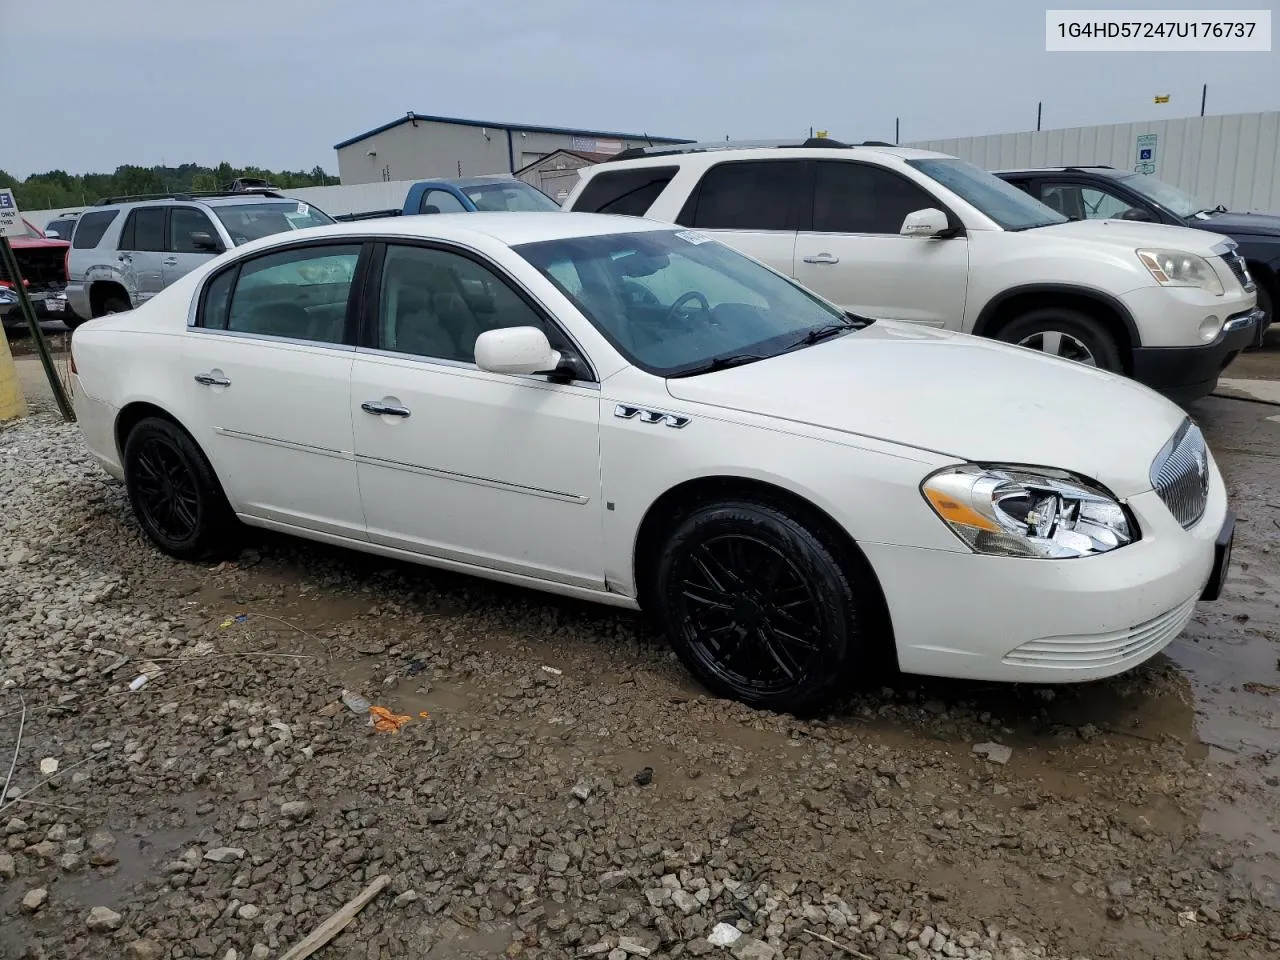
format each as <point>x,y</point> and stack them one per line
<point>1239,268</point>
<point>1180,474</point>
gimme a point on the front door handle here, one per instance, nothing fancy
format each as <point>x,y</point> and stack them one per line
<point>822,258</point>
<point>171,261</point>
<point>378,408</point>
<point>210,380</point>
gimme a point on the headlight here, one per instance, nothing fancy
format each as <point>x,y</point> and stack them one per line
<point>1173,268</point>
<point>1027,511</point>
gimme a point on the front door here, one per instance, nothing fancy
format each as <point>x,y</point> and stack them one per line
<point>267,370</point>
<point>457,463</point>
<point>855,255</point>
<point>184,251</point>
<point>140,256</point>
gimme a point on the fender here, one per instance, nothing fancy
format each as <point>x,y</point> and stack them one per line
<point>993,305</point>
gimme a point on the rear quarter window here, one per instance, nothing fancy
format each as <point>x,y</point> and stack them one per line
<point>91,227</point>
<point>629,193</point>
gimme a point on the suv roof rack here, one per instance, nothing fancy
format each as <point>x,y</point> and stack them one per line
<point>1077,168</point>
<point>189,195</point>
<point>709,145</point>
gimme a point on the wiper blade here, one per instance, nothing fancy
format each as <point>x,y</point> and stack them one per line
<point>718,363</point>
<point>824,332</point>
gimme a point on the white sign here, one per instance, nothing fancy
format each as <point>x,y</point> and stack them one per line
<point>1145,154</point>
<point>1115,31</point>
<point>11,224</point>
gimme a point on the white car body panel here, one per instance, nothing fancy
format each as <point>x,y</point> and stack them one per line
<point>546,484</point>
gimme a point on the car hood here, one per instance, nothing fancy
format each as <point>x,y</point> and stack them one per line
<point>42,243</point>
<point>1254,224</point>
<point>956,395</point>
<point>1133,235</point>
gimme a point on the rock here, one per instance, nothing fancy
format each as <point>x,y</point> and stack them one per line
<point>48,766</point>
<point>749,948</point>
<point>685,901</point>
<point>582,790</point>
<point>632,948</point>
<point>144,950</point>
<point>8,870</point>
<point>405,898</point>
<point>558,863</point>
<point>995,752</point>
<point>617,955</point>
<point>249,912</point>
<point>34,899</point>
<point>1120,888</point>
<point>260,952</point>
<point>614,879</point>
<point>698,948</point>
<point>295,810</point>
<point>15,827</point>
<point>724,935</point>
<point>224,854</point>
<point>643,777</point>
<point>103,920</point>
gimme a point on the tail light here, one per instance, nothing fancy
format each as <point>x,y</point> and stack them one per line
<point>72,362</point>
<point>66,264</point>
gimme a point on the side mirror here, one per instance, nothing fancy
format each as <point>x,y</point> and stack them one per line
<point>205,241</point>
<point>52,235</point>
<point>928,222</point>
<point>516,350</point>
<point>1137,213</point>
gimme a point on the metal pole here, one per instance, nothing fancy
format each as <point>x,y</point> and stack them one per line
<point>29,312</point>
<point>897,129</point>
<point>1039,110</point>
<point>1204,95</point>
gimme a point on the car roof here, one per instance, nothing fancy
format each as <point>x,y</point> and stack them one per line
<point>1085,168</point>
<point>710,154</point>
<point>508,228</point>
<point>224,201</point>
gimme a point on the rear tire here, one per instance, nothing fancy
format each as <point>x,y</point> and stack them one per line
<point>115,304</point>
<point>174,492</point>
<point>1068,334</point>
<point>758,608</point>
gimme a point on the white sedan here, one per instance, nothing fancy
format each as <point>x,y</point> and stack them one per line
<point>612,409</point>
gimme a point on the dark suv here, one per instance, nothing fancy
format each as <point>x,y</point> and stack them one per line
<point>1105,193</point>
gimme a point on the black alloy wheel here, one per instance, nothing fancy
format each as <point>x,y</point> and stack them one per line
<point>174,492</point>
<point>758,607</point>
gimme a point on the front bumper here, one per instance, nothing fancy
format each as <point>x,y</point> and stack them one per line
<point>977,617</point>
<point>1185,374</point>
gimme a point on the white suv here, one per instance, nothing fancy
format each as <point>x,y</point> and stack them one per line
<point>912,235</point>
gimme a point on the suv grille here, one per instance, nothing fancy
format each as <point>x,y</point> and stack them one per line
<point>1238,267</point>
<point>1180,474</point>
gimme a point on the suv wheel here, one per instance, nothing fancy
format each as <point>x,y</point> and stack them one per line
<point>1266,303</point>
<point>1068,334</point>
<point>115,305</point>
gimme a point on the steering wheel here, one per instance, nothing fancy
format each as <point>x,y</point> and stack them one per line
<point>692,295</point>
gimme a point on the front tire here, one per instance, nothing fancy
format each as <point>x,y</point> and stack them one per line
<point>758,607</point>
<point>1068,334</point>
<point>174,492</point>
<point>1266,303</point>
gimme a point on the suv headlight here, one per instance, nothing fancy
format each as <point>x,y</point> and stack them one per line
<point>1173,268</point>
<point>1010,511</point>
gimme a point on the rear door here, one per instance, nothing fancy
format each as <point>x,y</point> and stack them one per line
<point>753,206</point>
<point>854,254</point>
<point>141,252</point>
<point>191,234</point>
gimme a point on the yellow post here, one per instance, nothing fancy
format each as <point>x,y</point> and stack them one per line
<point>12,402</point>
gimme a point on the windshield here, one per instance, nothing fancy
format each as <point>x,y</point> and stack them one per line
<point>1165,195</point>
<point>1002,202</point>
<point>677,302</point>
<point>510,195</point>
<point>252,221</point>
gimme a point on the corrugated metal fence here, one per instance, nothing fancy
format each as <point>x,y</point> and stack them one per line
<point>1233,160</point>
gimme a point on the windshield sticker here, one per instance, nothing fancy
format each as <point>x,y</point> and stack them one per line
<point>303,209</point>
<point>689,236</point>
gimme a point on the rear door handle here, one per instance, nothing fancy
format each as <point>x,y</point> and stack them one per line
<point>171,261</point>
<point>125,258</point>
<point>209,380</point>
<point>377,408</point>
<point>822,258</point>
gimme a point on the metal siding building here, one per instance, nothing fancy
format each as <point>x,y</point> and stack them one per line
<point>417,147</point>
<point>1233,160</point>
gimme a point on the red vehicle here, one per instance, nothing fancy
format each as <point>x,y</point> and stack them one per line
<point>43,263</point>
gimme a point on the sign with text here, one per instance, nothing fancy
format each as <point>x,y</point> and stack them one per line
<point>1145,156</point>
<point>11,224</point>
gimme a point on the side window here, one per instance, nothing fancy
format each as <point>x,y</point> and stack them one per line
<point>860,198</point>
<point>300,294</point>
<point>748,195</point>
<point>1102,204</point>
<point>434,303</point>
<point>91,227</point>
<point>144,230</point>
<point>183,222</point>
<point>217,297</point>
<point>629,193</point>
<point>441,201</point>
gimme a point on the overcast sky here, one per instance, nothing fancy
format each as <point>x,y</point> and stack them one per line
<point>277,82</point>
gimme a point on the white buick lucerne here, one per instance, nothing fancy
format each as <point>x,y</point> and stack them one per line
<point>617,410</point>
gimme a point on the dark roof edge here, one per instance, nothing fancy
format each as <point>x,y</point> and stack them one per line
<point>517,127</point>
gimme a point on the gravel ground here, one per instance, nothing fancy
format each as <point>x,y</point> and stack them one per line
<point>563,790</point>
